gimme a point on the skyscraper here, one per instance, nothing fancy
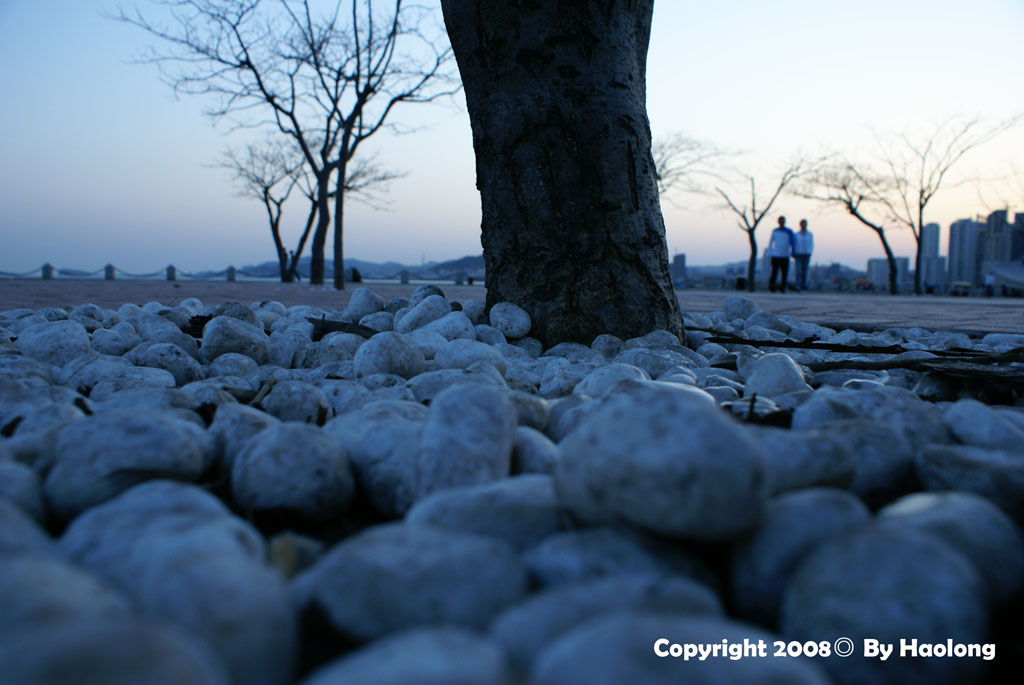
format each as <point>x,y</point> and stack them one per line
<point>963,251</point>
<point>930,240</point>
<point>996,242</point>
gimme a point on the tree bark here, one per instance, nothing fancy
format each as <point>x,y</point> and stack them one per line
<point>339,221</point>
<point>572,229</point>
<point>316,266</point>
<point>752,264</point>
<point>894,288</point>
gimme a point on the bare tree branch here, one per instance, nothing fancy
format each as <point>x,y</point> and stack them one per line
<point>685,164</point>
<point>749,217</point>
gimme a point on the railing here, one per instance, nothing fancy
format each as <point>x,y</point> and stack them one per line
<point>48,272</point>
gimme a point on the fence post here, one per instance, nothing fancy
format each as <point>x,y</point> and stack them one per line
<point>47,272</point>
<point>232,273</point>
<point>108,272</point>
<point>460,278</point>
<point>172,273</point>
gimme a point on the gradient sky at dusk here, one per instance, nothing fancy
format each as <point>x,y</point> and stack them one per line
<point>100,163</point>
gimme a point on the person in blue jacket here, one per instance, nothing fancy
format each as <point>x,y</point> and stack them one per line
<point>780,249</point>
<point>803,246</point>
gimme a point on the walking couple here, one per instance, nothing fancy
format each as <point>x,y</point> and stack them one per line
<point>785,244</point>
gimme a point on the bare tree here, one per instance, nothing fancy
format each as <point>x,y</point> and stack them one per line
<point>910,168</point>
<point>750,216</point>
<point>265,171</point>
<point>329,81</point>
<point>836,181</point>
<point>684,164</point>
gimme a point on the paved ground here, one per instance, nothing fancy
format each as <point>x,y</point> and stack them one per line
<point>975,315</point>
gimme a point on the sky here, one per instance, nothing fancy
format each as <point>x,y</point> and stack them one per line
<point>100,163</point>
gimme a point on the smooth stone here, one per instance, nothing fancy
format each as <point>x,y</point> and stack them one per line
<point>115,341</point>
<point>533,452</point>
<point>467,439</point>
<point>20,484</point>
<point>390,353</point>
<point>888,584</point>
<point>233,426</point>
<point>236,310</point>
<point>180,555</point>
<point>363,303</point>
<point>396,576</point>
<point>136,381</point>
<point>170,358</point>
<point>618,648</point>
<point>974,423</point>
<point>597,551</point>
<point>774,374</point>
<point>511,319</point>
<point>429,342</point>
<point>599,381</point>
<point>381,440</point>
<point>420,656</point>
<point>920,422</point>
<point>124,651</point>
<point>607,344</point>
<point>532,346</point>
<point>738,307</point>
<point>453,326</point>
<point>489,335</point>
<point>20,534</point>
<point>379,321</point>
<point>431,308</point>
<point>794,525</point>
<point>654,362</point>
<point>804,458</point>
<point>49,416</point>
<point>972,525</point>
<point>287,348</point>
<point>294,468</point>
<point>722,393</point>
<point>995,474</point>
<point>227,334</point>
<point>559,376</point>
<point>661,458</point>
<point>231,364</point>
<point>106,454</point>
<point>476,309</point>
<point>296,401</point>
<point>45,588</point>
<point>85,372</point>
<point>520,511</point>
<point>426,386</point>
<point>344,395</point>
<point>423,292</point>
<point>461,353</point>
<point>528,628</point>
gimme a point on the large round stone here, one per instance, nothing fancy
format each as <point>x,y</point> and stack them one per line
<point>664,459</point>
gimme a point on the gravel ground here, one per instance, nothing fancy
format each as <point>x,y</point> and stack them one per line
<point>864,312</point>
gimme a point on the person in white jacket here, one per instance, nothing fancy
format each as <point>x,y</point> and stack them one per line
<point>803,246</point>
<point>780,248</point>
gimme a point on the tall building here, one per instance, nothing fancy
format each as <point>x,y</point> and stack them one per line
<point>930,240</point>
<point>1017,239</point>
<point>933,273</point>
<point>878,273</point>
<point>964,256</point>
<point>996,241</point>
<point>679,269</point>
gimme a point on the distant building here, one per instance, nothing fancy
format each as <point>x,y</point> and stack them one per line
<point>878,272</point>
<point>1017,238</point>
<point>930,240</point>
<point>995,244</point>
<point>933,273</point>
<point>679,269</point>
<point>964,256</point>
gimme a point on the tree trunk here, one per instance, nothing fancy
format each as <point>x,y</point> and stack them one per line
<point>316,267</point>
<point>894,288</point>
<point>572,229</point>
<point>339,220</point>
<point>297,255</point>
<point>752,264</point>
